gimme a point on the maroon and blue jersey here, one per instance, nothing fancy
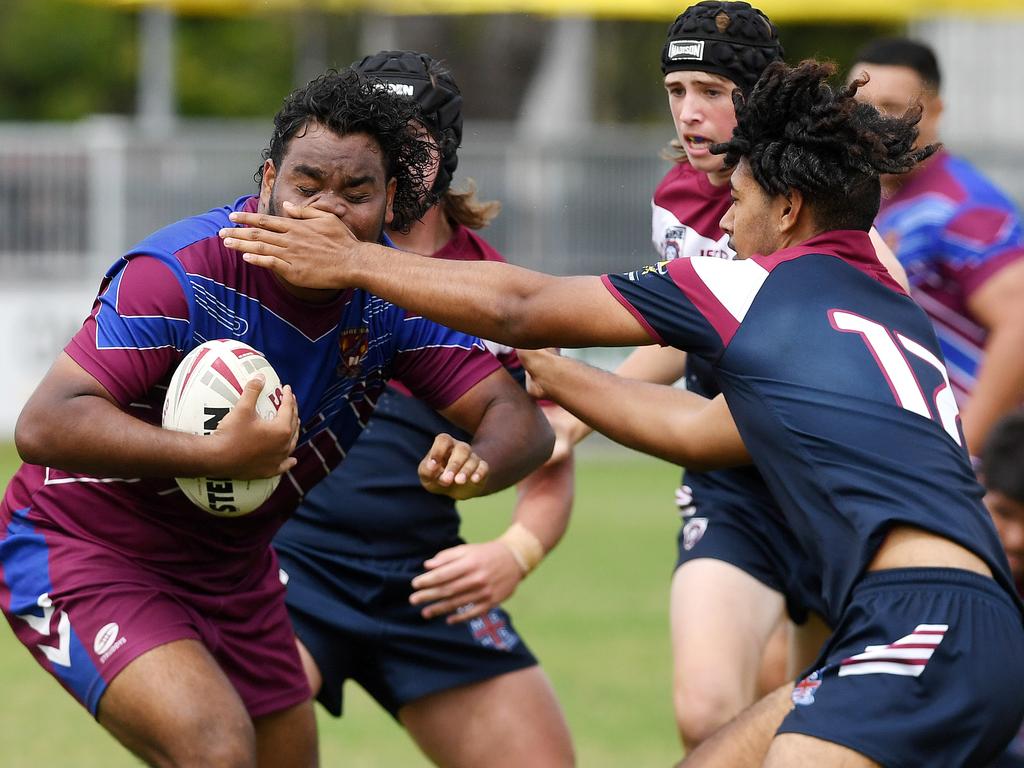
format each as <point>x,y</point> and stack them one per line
<point>837,385</point>
<point>952,230</point>
<point>373,504</point>
<point>179,288</point>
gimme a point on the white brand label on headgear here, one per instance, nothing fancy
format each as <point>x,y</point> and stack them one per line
<point>686,49</point>
<point>402,89</point>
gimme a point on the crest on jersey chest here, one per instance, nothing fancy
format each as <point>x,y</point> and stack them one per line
<point>352,346</point>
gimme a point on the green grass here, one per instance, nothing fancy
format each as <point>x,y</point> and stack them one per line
<point>595,613</point>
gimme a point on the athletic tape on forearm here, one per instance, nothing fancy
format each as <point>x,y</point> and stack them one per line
<point>524,546</point>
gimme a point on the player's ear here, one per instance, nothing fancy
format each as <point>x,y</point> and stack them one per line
<point>389,211</point>
<point>267,183</point>
<point>791,208</point>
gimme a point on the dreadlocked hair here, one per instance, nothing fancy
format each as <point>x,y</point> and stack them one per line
<point>346,102</point>
<point>797,132</point>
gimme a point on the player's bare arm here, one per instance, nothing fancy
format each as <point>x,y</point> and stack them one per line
<point>468,580</point>
<point>653,363</point>
<point>679,426</point>
<point>998,305</point>
<point>72,422</point>
<point>500,302</point>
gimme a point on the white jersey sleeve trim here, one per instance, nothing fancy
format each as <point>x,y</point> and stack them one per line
<point>734,283</point>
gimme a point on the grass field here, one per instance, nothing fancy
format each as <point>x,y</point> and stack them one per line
<point>594,613</point>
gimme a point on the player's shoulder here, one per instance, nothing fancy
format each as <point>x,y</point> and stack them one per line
<point>192,230</point>
<point>681,178</point>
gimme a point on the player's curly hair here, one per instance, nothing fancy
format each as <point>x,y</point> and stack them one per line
<point>797,132</point>
<point>347,102</point>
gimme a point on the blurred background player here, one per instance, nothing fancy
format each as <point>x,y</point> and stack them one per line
<point>169,624</point>
<point>739,577</point>
<point>959,238</point>
<point>434,648</point>
<point>1002,474</point>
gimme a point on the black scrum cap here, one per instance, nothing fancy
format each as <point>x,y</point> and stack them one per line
<point>731,39</point>
<point>419,77</point>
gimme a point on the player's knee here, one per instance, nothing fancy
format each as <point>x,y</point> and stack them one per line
<point>702,711</point>
<point>228,742</point>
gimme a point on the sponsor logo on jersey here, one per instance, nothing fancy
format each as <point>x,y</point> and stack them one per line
<point>492,631</point>
<point>352,346</point>
<point>660,268</point>
<point>686,50</point>
<point>693,532</point>
<point>803,692</point>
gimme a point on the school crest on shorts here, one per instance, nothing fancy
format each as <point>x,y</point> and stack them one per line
<point>693,532</point>
<point>492,631</point>
<point>352,346</point>
<point>803,691</point>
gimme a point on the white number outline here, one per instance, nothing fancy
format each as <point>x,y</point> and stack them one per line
<point>897,371</point>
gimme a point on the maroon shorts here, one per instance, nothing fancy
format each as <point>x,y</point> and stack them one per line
<point>85,613</point>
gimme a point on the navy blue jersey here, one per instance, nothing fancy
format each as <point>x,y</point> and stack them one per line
<point>838,388</point>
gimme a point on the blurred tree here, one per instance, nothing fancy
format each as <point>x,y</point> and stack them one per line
<point>233,67</point>
<point>62,60</point>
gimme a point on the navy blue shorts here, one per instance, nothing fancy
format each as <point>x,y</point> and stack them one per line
<point>746,532</point>
<point>926,668</point>
<point>354,617</point>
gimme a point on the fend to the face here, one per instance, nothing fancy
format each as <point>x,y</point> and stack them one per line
<point>703,114</point>
<point>340,173</point>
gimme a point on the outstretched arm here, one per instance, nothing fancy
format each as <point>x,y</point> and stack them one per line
<point>664,421</point>
<point>658,365</point>
<point>495,301</point>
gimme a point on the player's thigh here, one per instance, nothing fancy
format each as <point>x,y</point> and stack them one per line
<point>793,749</point>
<point>313,675</point>
<point>774,669</point>
<point>721,619</point>
<point>806,642</point>
<point>173,705</point>
<point>287,739</point>
<point>509,720</point>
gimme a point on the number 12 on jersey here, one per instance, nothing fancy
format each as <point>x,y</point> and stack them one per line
<point>881,342</point>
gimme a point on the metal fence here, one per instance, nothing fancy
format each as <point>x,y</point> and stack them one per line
<point>74,197</point>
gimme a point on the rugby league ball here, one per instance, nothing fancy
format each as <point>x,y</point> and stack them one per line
<point>204,387</point>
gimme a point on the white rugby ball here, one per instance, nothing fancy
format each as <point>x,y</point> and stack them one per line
<point>205,386</point>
